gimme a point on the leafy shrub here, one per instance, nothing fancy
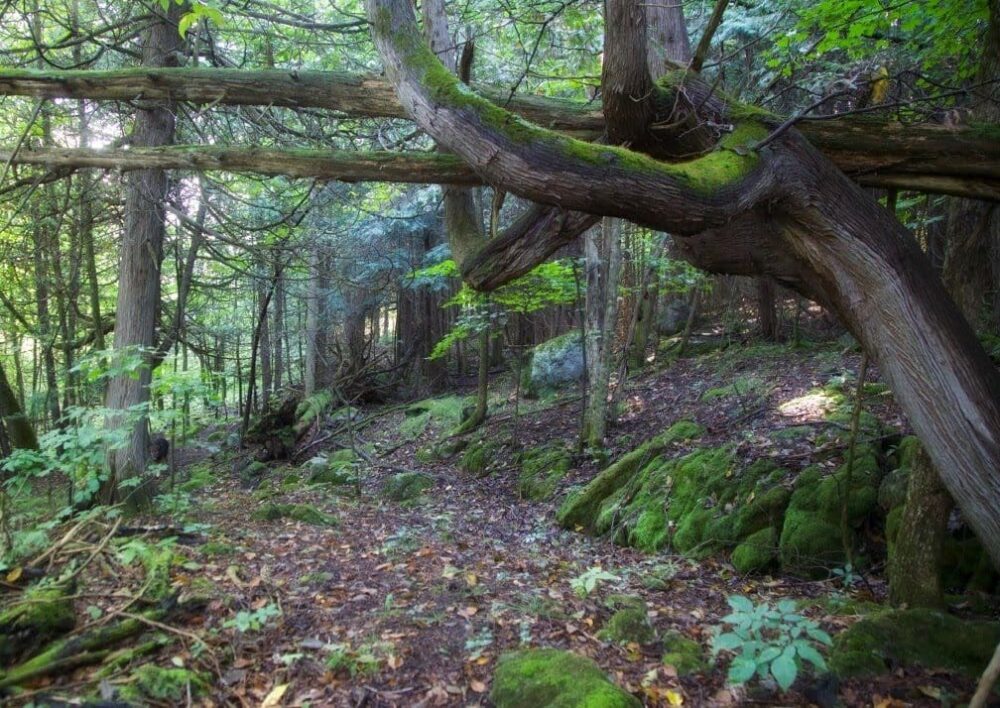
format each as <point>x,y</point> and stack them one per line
<point>768,640</point>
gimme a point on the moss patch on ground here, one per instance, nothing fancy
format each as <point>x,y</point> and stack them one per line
<point>878,643</point>
<point>155,683</point>
<point>542,468</point>
<point>305,513</point>
<point>629,624</point>
<point>406,486</point>
<point>443,412</point>
<point>550,678</point>
<point>684,654</point>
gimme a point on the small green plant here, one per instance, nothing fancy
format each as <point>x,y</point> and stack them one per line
<point>253,621</point>
<point>658,577</point>
<point>587,581</point>
<point>846,575</point>
<point>363,661</point>
<point>766,640</point>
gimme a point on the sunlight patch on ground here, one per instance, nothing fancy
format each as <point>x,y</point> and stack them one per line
<point>812,406</point>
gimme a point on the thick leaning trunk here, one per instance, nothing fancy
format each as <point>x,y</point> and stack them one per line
<point>781,210</point>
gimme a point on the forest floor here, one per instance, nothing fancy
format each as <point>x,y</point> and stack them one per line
<point>411,604</point>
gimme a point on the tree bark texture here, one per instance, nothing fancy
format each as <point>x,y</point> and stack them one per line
<point>783,210</point>
<point>19,430</point>
<point>603,267</point>
<point>915,565</point>
<point>139,269</point>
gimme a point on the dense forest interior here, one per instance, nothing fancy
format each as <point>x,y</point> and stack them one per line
<point>565,353</point>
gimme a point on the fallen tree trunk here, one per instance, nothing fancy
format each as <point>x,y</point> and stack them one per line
<point>437,168</point>
<point>86,649</point>
<point>759,204</point>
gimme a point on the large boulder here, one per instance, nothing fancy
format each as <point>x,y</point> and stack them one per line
<point>673,317</point>
<point>550,678</point>
<point>882,642</point>
<point>557,362</point>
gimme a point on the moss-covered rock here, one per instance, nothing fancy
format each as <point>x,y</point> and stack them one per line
<point>542,468</point>
<point>306,513</point>
<point>405,486</point>
<point>557,362</point>
<point>549,678</point>
<point>684,654</point>
<point>812,540</point>
<point>155,683</point>
<point>477,458</point>
<point>253,473</point>
<point>290,481</point>
<point>582,507</point>
<point>878,643</point>
<point>758,552</point>
<point>629,624</point>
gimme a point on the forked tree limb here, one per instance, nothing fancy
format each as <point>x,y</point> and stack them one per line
<point>785,211</point>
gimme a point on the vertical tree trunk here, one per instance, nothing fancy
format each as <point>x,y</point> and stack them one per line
<point>279,325</point>
<point>139,269</point>
<point>603,263</point>
<point>19,429</point>
<point>972,259</point>
<point>915,565</point>
<point>767,315</point>
<point>264,352</point>
<point>312,323</point>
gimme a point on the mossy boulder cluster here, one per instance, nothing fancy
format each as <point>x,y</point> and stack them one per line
<point>550,678</point>
<point>542,468</point>
<point>702,500</point>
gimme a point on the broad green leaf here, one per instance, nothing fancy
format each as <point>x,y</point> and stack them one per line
<point>784,669</point>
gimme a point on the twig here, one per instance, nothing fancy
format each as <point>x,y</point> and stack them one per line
<point>986,682</point>
<point>160,625</point>
<point>706,37</point>
<point>100,547</point>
